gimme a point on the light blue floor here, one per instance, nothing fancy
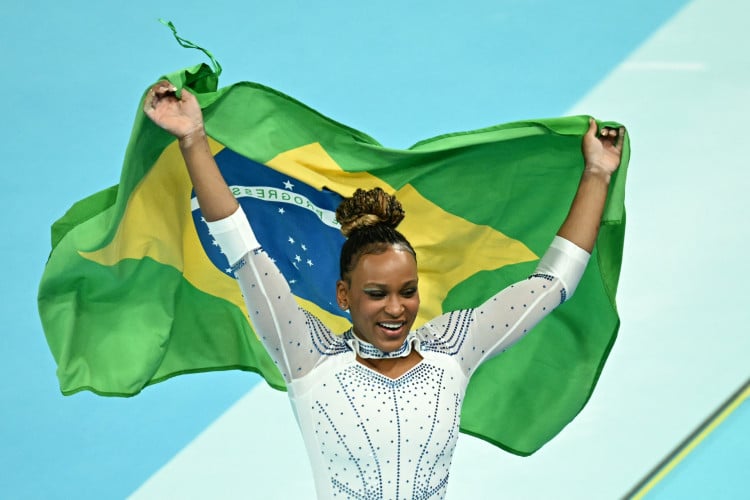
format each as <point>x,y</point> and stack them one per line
<point>401,72</point>
<point>716,467</point>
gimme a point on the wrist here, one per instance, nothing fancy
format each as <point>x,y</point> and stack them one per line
<point>195,135</point>
<point>594,171</point>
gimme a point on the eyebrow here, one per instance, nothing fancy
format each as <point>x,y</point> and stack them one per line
<point>413,282</point>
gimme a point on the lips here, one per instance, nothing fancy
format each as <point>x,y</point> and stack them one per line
<point>393,329</point>
<point>392,325</point>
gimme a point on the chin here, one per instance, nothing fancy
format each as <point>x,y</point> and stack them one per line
<point>390,345</point>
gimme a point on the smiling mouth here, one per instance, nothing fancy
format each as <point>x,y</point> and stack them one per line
<point>392,326</point>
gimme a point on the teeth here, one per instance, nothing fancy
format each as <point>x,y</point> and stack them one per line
<point>392,326</point>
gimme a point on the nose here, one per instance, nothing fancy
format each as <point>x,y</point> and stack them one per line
<point>393,306</point>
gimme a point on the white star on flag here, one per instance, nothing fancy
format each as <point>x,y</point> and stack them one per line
<point>288,185</point>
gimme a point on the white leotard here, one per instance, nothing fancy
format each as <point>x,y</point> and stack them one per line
<point>369,436</point>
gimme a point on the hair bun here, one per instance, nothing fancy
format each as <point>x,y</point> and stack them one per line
<point>368,208</point>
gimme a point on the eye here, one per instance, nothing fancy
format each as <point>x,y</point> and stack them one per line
<point>375,294</point>
<point>409,292</point>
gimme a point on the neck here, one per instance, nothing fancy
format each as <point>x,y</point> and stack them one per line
<point>392,367</point>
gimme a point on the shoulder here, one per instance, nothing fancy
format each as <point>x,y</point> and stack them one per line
<point>323,340</point>
<point>446,333</point>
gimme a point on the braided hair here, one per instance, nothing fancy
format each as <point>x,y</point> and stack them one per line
<point>368,221</point>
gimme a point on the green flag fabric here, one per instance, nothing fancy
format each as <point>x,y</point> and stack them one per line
<point>134,291</point>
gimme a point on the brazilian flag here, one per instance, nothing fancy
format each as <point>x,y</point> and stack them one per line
<point>135,290</point>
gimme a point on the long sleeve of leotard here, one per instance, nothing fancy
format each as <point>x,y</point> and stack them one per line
<point>295,339</point>
<point>475,335</point>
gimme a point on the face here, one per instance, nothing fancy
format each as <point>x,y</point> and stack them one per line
<point>382,297</point>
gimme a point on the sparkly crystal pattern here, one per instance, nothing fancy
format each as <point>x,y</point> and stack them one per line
<point>369,436</point>
<point>383,438</point>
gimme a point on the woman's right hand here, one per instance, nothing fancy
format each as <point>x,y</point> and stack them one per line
<point>180,117</point>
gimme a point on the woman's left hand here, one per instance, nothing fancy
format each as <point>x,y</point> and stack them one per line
<point>602,152</point>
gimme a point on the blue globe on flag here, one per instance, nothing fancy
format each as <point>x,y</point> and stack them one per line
<point>294,223</point>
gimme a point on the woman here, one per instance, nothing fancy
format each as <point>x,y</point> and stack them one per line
<point>379,406</point>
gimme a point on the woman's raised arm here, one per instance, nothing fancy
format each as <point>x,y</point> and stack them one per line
<point>602,154</point>
<point>183,119</point>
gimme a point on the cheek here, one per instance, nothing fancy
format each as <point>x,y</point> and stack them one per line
<point>360,309</point>
<point>413,304</point>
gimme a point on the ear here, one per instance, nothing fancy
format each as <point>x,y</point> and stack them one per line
<point>342,294</point>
